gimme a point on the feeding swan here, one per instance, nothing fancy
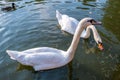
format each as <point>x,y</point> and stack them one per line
<point>69,24</point>
<point>43,58</point>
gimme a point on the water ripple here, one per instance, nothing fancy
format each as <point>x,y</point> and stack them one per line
<point>34,24</point>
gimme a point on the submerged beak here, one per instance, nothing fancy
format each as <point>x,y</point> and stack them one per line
<point>100,46</point>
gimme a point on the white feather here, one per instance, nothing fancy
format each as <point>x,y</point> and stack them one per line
<point>43,58</point>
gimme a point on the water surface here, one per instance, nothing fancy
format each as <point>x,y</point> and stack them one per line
<point>34,24</point>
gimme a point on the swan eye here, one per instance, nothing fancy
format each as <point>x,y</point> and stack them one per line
<point>91,21</point>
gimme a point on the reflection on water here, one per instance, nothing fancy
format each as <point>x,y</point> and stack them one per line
<point>34,24</point>
<point>111,17</point>
<point>111,23</point>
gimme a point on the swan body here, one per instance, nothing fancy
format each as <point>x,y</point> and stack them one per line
<point>40,58</point>
<point>69,24</point>
<point>43,58</point>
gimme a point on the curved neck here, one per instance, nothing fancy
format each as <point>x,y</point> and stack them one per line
<point>87,32</point>
<point>95,33</point>
<point>71,50</point>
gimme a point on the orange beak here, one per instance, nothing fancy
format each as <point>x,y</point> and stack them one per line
<point>100,46</point>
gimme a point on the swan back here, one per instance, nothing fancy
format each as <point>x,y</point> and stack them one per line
<point>66,23</point>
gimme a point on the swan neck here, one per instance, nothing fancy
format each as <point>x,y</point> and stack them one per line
<point>87,34</point>
<point>71,50</point>
<point>95,34</point>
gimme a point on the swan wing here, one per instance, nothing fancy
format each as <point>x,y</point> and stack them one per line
<point>40,49</point>
<point>68,24</point>
<point>44,57</point>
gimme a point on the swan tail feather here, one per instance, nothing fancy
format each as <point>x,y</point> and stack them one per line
<point>58,14</point>
<point>36,67</point>
<point>13,54</point>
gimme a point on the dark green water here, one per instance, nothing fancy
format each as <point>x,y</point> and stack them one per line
<point>34,24</point>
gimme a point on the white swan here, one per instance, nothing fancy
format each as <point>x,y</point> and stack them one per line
<point>69,25</point>
<point>43,58</point>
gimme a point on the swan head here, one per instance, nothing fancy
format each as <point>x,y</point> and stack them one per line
<point>98,40</point>
<point>93,22</point>
<point>90,22</point>
<point>85,22</point>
